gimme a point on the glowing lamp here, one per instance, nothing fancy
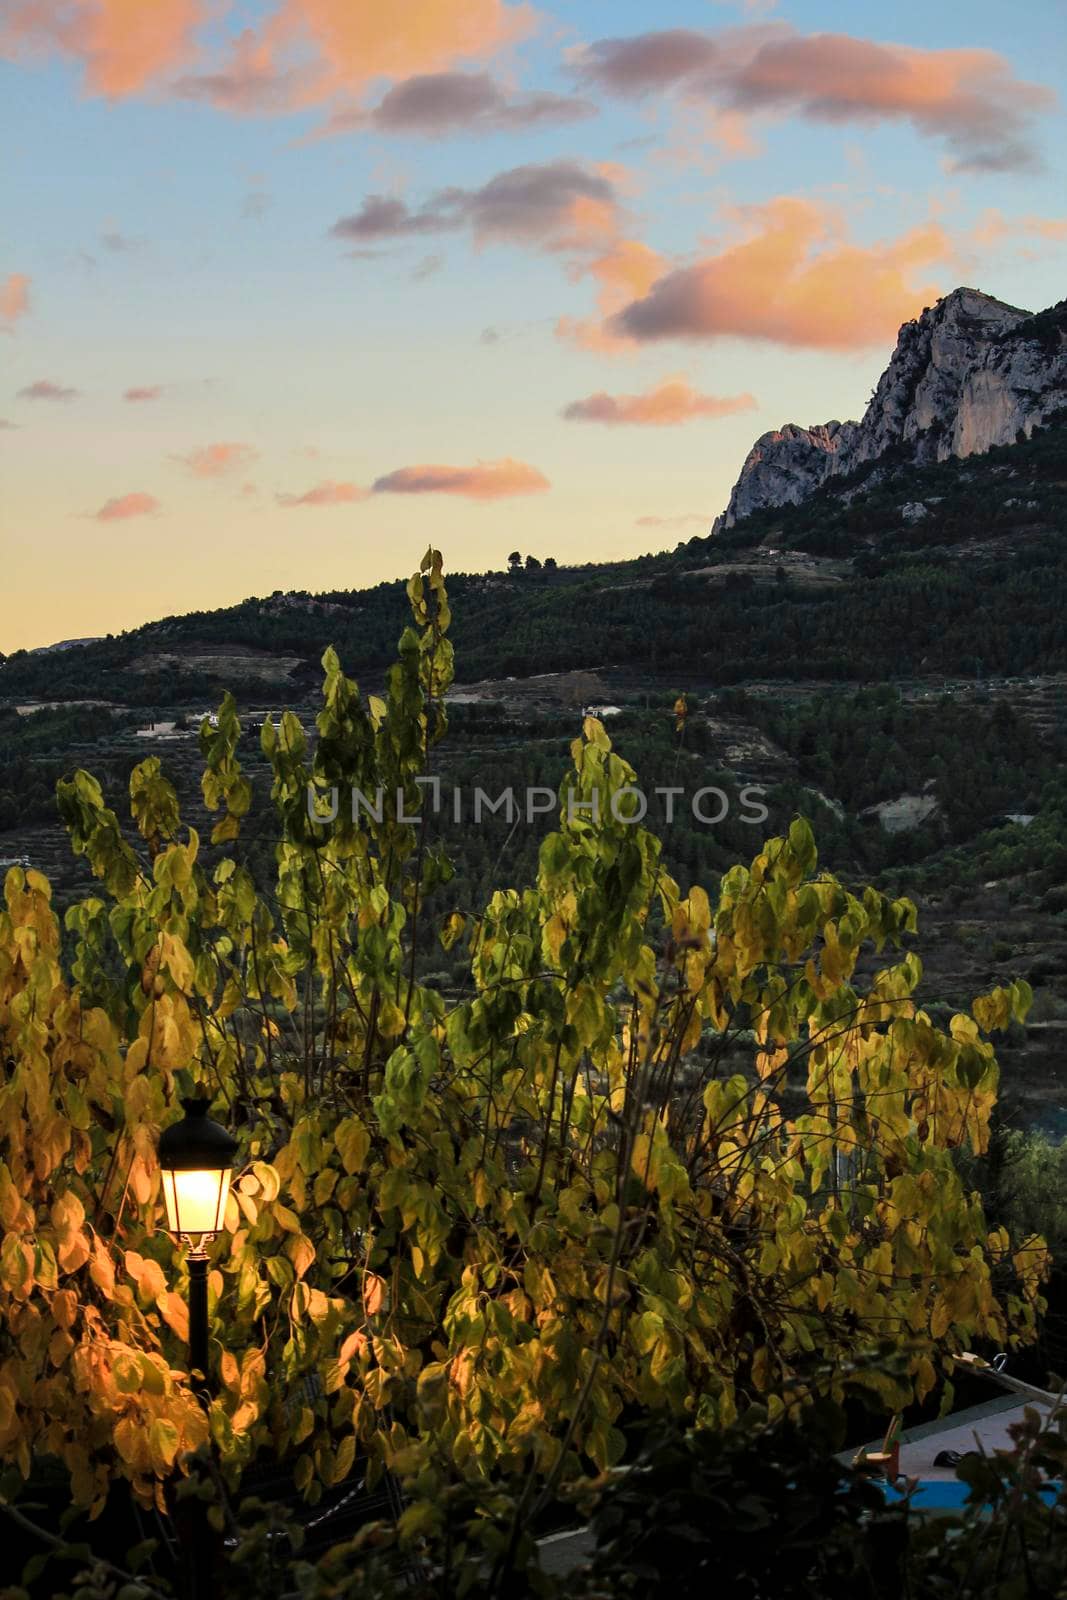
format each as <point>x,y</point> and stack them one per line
<point>196,1158</point>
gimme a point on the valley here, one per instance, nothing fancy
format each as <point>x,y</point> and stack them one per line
<point>987,867</point>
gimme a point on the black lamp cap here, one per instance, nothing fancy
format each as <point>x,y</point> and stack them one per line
<point>196,1143</point>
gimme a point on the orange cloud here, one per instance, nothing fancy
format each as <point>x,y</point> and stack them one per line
<point>669,403</point>
<point>1046,227</point>
<point>14,297</point>
<point>124,506</point>
<point>995,226</point>
<point>304,52</point>
<point>144,392</point>
<point>216,460</point>
<point>123,45</point>
<point>324,494</point>
<point>626,271</point>
<point>489,480</point>
<point>357,41</point>
<point>795,281</point>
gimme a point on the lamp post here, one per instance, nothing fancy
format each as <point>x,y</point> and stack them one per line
<point>196,1158</point>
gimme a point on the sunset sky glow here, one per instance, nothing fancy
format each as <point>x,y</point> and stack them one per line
<point>290,288</point>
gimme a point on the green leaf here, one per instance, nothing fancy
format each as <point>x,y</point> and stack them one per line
<point>270,1185</point>
<point>353,1144</point>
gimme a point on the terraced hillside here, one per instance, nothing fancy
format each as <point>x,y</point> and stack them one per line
<point>889,658</point>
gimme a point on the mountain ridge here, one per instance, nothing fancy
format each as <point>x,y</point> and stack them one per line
<point>969,373</point>
<point>896,570</point>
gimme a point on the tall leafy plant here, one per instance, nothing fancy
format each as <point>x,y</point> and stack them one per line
<point>469,1234</point>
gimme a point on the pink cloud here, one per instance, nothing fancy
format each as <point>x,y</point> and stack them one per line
<point>14,297</point>
<point>489,480</point>
<point>386,217</point>
<point>560,205</point>
<point>647,62</point>
<point>556,205</point>
<point>969,97</point>
<point>435,103</point>
<point>45,389</point>
<point>324,494</point>
<point>124,506</point>
<point>148,392</point>
<point>793,280</point>
<point>216,460</point>
<point>669,403</point>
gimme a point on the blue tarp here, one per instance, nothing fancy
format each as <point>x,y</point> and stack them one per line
<point>949,1494</point>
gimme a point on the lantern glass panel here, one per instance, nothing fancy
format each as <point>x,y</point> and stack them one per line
<point>196,1201</point>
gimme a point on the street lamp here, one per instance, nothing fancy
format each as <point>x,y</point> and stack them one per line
<point>196,1158</point>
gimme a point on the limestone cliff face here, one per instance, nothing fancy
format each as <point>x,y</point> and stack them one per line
<point>969,373</point>
<point>783,467</point>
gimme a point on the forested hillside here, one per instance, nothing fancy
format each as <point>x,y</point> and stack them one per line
<point>958,568</point>
<point>889,659</point>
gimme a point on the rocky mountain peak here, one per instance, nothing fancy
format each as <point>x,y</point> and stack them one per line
<point>965,302</point>
<point>968,373</point>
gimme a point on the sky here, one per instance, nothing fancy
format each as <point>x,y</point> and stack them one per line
<point>290,289</point>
